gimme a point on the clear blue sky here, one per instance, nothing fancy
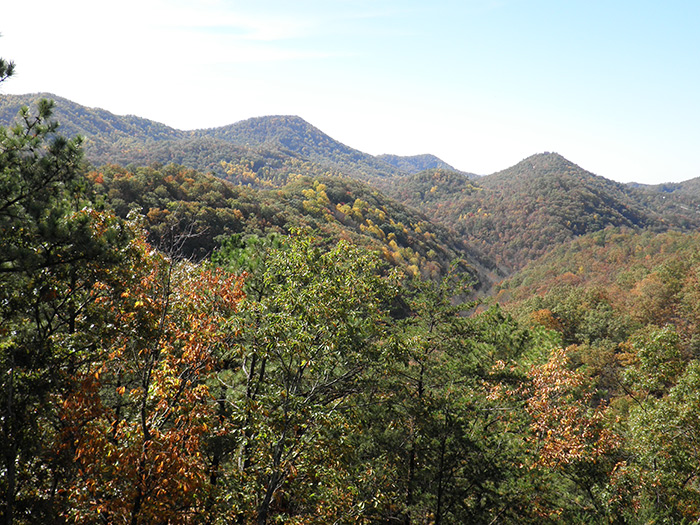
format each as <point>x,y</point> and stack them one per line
<point>612,85</point>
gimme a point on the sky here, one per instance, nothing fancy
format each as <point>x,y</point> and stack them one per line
<point>612,85</point>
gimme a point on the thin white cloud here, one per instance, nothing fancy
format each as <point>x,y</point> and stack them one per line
<point>240,26</point>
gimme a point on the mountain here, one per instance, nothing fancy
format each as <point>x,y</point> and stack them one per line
<point>518,214</point>
<point>569,395</point>
<point>546,200</point>
<point>134,140</point>
<point>293,134</point>
<point>284,160</point>
<point>598,289</point>
<point>432,191</point>
<point>417,163</point>
<point>689,188</point>
<point>513,216</point>
<point>206,209</point>
<point>94,123</point>
<point>124,139</point>
<point>613,259</point>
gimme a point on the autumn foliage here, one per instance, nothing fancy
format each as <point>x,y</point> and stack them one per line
<point>139,417</point>
<point>566,427</point>
<point>175,349</point>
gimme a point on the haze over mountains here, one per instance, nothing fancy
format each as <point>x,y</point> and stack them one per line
<point>110,134</point>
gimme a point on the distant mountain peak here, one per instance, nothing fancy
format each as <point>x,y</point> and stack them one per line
<point>548,158</point>
<point>417,163</point>
<point>541,165</point>
<point>273,119</point>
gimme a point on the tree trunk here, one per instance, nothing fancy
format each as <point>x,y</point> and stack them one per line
<point>441,472</point>
<point>412,455</point>
<point>264,509</point>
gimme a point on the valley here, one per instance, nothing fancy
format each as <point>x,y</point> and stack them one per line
<point>257,323</point>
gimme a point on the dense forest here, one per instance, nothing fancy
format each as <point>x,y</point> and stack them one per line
<point>257,324</point>
<point>518,214</point>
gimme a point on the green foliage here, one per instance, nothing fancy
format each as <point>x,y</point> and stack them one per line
<point>624,299</point>
<point>268,148</point>
<point>416,163</point>
<point>436,436</point>
<point>519,214</point>
<point>295,347</point>
<point>436,190</point>
<point>55,247</point>
<point>184,210</point>
<point>607,285</point>
<point>191,213</point>
<point>663,435</point>
<point>248,254</point>
<point>304,344</point>
<point>293,134</point>
<point>658,361</point>
<point>7,69</point>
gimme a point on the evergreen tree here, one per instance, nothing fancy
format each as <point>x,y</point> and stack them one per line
<point>7,69</point>
<point>53,245</point>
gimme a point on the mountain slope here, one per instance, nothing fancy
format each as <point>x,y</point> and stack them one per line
<point>433,191</point>
<point>688,188</point>
<point>546,200</point>
<point>129,139</point>
<point>600,288</point>
<point>177,200</point>
<point>294,134</point>
<point>518,214</point>
<point>269,152</point>
<point>417,163</point>
<point>513,216</point>
<point>76,119</point>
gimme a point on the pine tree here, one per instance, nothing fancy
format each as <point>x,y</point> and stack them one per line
<point>53,245</point>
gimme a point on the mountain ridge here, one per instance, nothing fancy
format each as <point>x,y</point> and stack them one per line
<point>293,133</point>
<point>128,138</point>
<point>513,215</point>
<point>518,214</point>
<point>134,126</point>
<point>416,163</point>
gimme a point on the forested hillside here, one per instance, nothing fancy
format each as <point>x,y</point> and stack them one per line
<point>285,343</point>
<point>625,304</point>
<point>518,214</point>
<point>132,140</point>
<point>690,188</point>
<point>203,210</point>
<point>511,217</point>
<point>295,135</point>
<point>416,163</point>
<point>438,192</point>
<point>603,287</point>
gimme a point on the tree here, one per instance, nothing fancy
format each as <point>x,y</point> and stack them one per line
<point>306,341</point>
<point>54,247</point>
<point>664,439</point>
<point>138,425</point>
<point>437,436</point>
<point>573,443</point>
<point>7,69</point>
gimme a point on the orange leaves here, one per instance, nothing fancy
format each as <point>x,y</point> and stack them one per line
<point>222,289</point>
<point>566,428</point>
<point>136,421</point>
<point>96,177</point>
<point>546,318</point>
